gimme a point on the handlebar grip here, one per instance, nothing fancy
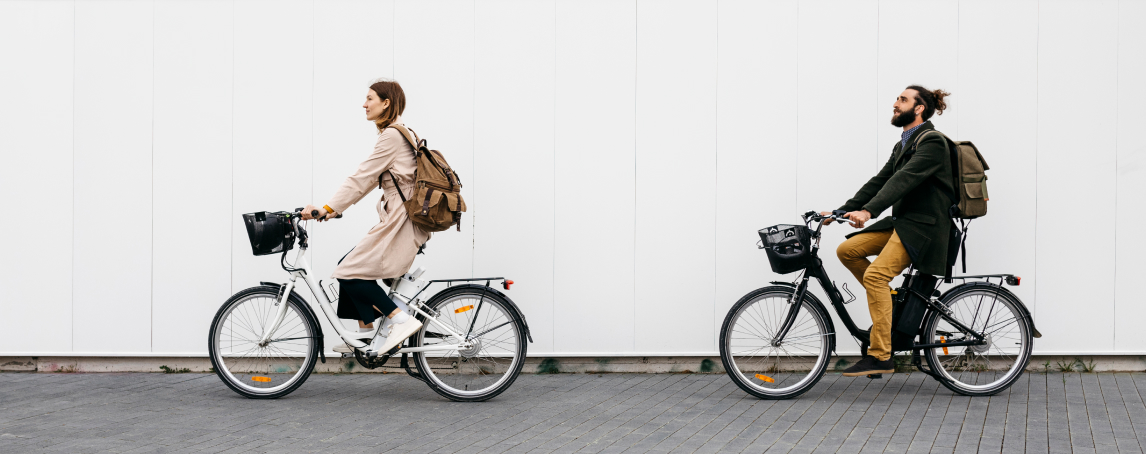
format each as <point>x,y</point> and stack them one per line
<point>314,214</point>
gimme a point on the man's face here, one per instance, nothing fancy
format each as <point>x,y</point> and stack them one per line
<point>905,110</point>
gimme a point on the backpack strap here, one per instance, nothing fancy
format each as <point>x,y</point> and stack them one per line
<point>413,140</point>
<point>409,135</point>
<point>951,194</point>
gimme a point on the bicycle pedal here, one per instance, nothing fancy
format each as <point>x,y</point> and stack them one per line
<point>875,376</point>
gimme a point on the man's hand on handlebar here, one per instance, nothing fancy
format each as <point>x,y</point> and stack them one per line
<point>858,218</point>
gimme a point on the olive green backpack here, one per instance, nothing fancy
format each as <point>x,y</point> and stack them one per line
<point>969,176</point>
<point>436,203</point>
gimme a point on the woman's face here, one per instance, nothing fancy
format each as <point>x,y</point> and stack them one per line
<point>374,107</point>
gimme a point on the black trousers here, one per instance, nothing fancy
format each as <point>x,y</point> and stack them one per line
<point>357,299</point>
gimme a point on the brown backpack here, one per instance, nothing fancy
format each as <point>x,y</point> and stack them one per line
<point>436,202</point>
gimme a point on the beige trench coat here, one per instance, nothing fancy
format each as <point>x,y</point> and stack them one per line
<point>389,248</point>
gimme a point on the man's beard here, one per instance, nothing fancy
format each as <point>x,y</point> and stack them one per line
<point>903,119</point>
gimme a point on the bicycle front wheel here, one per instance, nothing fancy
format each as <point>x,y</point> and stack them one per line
<point>263,370</point>
<point>979,370</point>
<point>496,333</point>
<point>763,367</point>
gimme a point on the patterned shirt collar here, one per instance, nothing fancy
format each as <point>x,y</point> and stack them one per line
<point>907,135</point>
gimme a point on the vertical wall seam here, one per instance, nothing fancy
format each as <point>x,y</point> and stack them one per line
<point>1038,46</point>
<point>716,184</point>
<point>473,135</point>
<point>312,90</point>
<point>1117,80</point>
<point>636,69</point>
<point>393,39</point>
<point>73,299</point>
<point>151,302</point>
<point>553,245</point>
<point>232,224</point>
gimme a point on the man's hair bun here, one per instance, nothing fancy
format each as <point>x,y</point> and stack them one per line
<point>932,100</point>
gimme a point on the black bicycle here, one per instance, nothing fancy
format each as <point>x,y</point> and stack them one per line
<point>776,342</point>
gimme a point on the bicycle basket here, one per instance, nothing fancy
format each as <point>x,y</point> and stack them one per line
<point>270,233</point>
<point>788,247</point>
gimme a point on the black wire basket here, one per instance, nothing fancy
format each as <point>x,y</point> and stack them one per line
<point>788,246</point>
<point>270,233</point>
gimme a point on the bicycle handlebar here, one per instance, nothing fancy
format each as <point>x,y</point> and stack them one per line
<point>837,216</point>
<point>314,214</point>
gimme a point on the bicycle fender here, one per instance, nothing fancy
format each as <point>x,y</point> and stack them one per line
<point>818,305</point>
<point>1022,306</point>
<point>520,315</point>
<point>298,299</point>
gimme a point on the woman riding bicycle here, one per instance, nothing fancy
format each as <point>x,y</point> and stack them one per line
<point>389,247</point>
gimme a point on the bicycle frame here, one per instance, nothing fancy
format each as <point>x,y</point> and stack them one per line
<point>816,270</point>
<point>301,269</point>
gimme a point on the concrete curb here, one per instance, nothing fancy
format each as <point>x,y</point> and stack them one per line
<point>542,365</point>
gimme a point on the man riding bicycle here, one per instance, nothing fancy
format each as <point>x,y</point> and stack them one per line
<point>916,183</point>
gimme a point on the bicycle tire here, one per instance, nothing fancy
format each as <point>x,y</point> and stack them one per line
<point>238,385</point>
<point>480,358</point>
<point>1021,332</point>
<point>739,374</point>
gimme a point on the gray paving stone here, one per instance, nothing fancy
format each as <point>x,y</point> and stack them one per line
<point>905,413</point>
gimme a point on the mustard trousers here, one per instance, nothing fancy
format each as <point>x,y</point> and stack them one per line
<point>891,259</point>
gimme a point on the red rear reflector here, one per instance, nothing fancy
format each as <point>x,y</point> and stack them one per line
<point>507,283</point>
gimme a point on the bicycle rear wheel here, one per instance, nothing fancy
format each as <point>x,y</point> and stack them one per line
<point>772,371</point>
<point>980,370</point>
<point>497,331</point>
<point>270,370</point>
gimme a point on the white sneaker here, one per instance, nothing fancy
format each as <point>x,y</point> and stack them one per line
<point>397,333</point>
<point>344,348</point>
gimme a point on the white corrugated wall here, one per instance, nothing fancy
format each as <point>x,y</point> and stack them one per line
<point>618,156</point>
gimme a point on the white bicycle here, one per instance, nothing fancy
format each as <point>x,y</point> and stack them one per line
<point>265,340</point>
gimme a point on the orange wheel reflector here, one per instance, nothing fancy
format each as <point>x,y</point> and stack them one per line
<point>765,378</point>
<point>463,309</point>
<point>943,340</point>
<point>262,379</point>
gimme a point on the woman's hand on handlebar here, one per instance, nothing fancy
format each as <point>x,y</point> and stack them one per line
<point>309,212</point>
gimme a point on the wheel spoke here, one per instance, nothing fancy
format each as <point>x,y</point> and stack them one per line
<point>981,369</point>
<point>748,351</point>
<point>262,370</point>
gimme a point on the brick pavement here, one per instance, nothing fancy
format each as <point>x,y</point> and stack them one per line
<point>569,413</point>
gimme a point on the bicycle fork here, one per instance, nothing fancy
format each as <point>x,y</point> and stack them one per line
<point>793,312</point>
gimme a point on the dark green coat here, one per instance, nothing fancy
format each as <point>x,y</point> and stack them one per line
<point>916,184</point>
